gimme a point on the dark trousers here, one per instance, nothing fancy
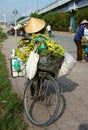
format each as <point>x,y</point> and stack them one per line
<point>79,50</point>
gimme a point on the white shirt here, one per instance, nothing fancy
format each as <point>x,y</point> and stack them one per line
<point>86,33</point>
<point>49,28</point>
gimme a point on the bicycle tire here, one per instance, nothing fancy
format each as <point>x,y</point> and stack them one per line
<point>38,109</point>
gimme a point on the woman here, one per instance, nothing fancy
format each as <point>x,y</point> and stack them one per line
<point>78,37</point>
<point>34,25</point>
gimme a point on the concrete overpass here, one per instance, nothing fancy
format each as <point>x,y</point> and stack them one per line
<point>64,6</point>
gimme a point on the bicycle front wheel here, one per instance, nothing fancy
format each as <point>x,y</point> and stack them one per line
<point>42,103</point>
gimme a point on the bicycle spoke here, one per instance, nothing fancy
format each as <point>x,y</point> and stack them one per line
<point>42,108</point>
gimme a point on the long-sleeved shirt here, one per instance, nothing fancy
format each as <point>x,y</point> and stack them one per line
<point>79,33</point>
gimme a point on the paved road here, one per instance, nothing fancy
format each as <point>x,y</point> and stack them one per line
<point>66,39</point>
<point>73,114</point>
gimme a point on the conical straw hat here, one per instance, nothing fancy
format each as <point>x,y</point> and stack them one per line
<point>34,25</point>
<point>84,22</point>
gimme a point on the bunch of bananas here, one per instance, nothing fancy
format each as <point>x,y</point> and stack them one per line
<point>54,47</point>
<point>21,55</point>
<point>84,40</point>
<point>28,48</point>
<point>23,52</point>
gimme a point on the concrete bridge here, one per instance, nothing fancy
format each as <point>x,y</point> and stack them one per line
<point>64,6</point>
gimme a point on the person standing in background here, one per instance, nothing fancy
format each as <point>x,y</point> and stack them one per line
<point>78,37</point>
<point>49,29</point>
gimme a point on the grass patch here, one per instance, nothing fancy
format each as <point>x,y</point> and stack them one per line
<point>3,36</point>
<point>11,106</point>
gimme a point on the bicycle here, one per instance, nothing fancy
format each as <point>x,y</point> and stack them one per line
<point>42,97</point>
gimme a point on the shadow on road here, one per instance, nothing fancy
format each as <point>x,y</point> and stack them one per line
<point>61,109</point>
<point>66,85</point>
<point>83,127</point>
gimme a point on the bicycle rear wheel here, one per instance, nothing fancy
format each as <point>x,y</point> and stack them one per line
<point>42,108</point>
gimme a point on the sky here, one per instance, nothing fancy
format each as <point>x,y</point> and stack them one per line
<point>24,7</point>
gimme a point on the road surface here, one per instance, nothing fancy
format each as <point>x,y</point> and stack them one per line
<point>73,114</point>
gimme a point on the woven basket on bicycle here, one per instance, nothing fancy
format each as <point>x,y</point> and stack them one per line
<point>50,62</point>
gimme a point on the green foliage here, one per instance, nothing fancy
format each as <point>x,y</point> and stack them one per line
<point>36,15</point>
<point>62,23</point>
<point>11,106</point>
<point>81,15</point>
<point>49,17</point>
<point>3,35</point>
<point>57,22</point>
<point>52,19</point>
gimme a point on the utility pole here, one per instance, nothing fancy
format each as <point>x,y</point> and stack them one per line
<point>4,19</point>
<point>15,12</point>
<point>37,5</point>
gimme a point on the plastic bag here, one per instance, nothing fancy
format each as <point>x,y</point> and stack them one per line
<point>67,65</point>
<point>86,33</point>
<point>31,67</point>
<point>13,53</point>
<point>17,65</point>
